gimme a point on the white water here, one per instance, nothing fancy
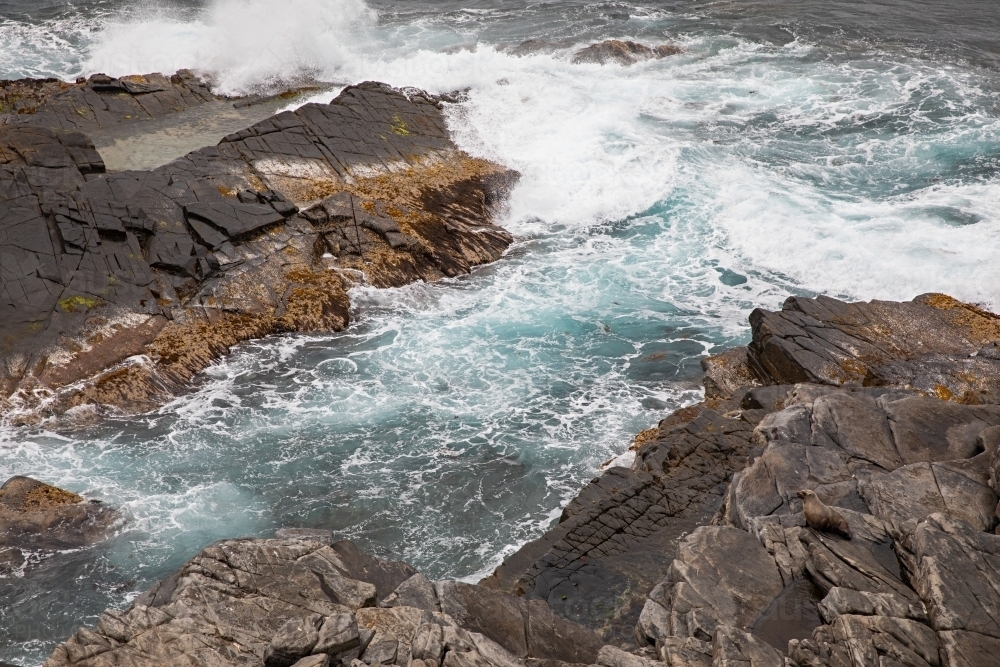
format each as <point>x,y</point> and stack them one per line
<point>658,205</point>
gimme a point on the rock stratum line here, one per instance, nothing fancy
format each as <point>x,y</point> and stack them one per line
<point>697,556</point>
<point>700,553</point>
<point>117,288</point>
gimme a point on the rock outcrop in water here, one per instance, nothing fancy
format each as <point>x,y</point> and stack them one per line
<point>888,412</point>
<point>622,52</point>
<point>116,288</point>
<point>36,516</point>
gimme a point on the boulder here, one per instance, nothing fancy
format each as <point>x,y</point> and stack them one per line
<point>868,640</point>
<point>295,639</point>
<point>384,575</point>
<point>956,575</point>
<point>35,515</point>
<point>499,616</point>
<point>726,373</point>
<point>734,648</point>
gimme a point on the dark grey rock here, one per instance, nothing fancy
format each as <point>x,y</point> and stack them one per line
<point>551,637</point>
<point>385,575</point>
<point>172,260</point>
<point>722,576</point>
<point>827,341</point>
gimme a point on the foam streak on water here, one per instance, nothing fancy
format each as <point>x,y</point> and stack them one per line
<point>658,205</point>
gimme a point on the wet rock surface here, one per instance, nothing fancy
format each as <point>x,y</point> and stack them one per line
<point>118,287</point>
<point>100,101</point>
<point>622,52</point>
<point>816,402</point>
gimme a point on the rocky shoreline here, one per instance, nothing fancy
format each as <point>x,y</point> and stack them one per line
<point>698,555</point>
<point>701,548</point>
<point>119,287</point>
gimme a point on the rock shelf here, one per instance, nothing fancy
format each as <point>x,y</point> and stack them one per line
<point>117,288</point>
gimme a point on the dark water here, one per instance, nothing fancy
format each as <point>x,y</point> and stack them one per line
<point>844,148</point>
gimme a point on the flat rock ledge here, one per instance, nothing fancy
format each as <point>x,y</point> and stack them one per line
<point>699,554</point>
<point>117,288</point>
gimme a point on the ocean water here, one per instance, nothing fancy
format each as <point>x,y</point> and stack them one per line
<point>835,147</point>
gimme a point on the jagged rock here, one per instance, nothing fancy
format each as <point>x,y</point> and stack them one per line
<point>925,344</point>
<point>313,661</point>
<point>383,650</point>
<point>35,515</point>
<point>615,541</point>
<point>611,656</point>
<point>499,616</point>
<point>384,575</point>
<point>841,601</point>
<point>851,447</point>
<point>622,52</point>
<point>956,574</point>
<point>417,591</point>
<point>279,602</point>
<point>294,639</point>
<point>911,493</point>
<point>428,643</point>
<point>551,637</point>
<point>868,640</point>
<point>116,288</point>
<point>689,652</point>
<point>727,372</point>
<point>101,101</point>
<point>522,627</point>
<point>896,457</point>
<point>395,630</point>
<point>722,576</point>
<point>339,637</point>
<point>735,648</point>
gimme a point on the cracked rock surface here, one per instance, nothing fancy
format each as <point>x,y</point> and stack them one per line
<point>888,412</point>
<point>116,288</point>
<point>303,599</point>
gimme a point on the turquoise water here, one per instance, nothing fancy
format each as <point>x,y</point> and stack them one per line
<point>791,149</point>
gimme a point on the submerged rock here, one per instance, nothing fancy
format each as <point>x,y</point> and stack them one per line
<point>622,52</point>
<point>115,289</point>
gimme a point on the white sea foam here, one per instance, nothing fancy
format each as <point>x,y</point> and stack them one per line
<point>243,44</point>
<point>658,204</point>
